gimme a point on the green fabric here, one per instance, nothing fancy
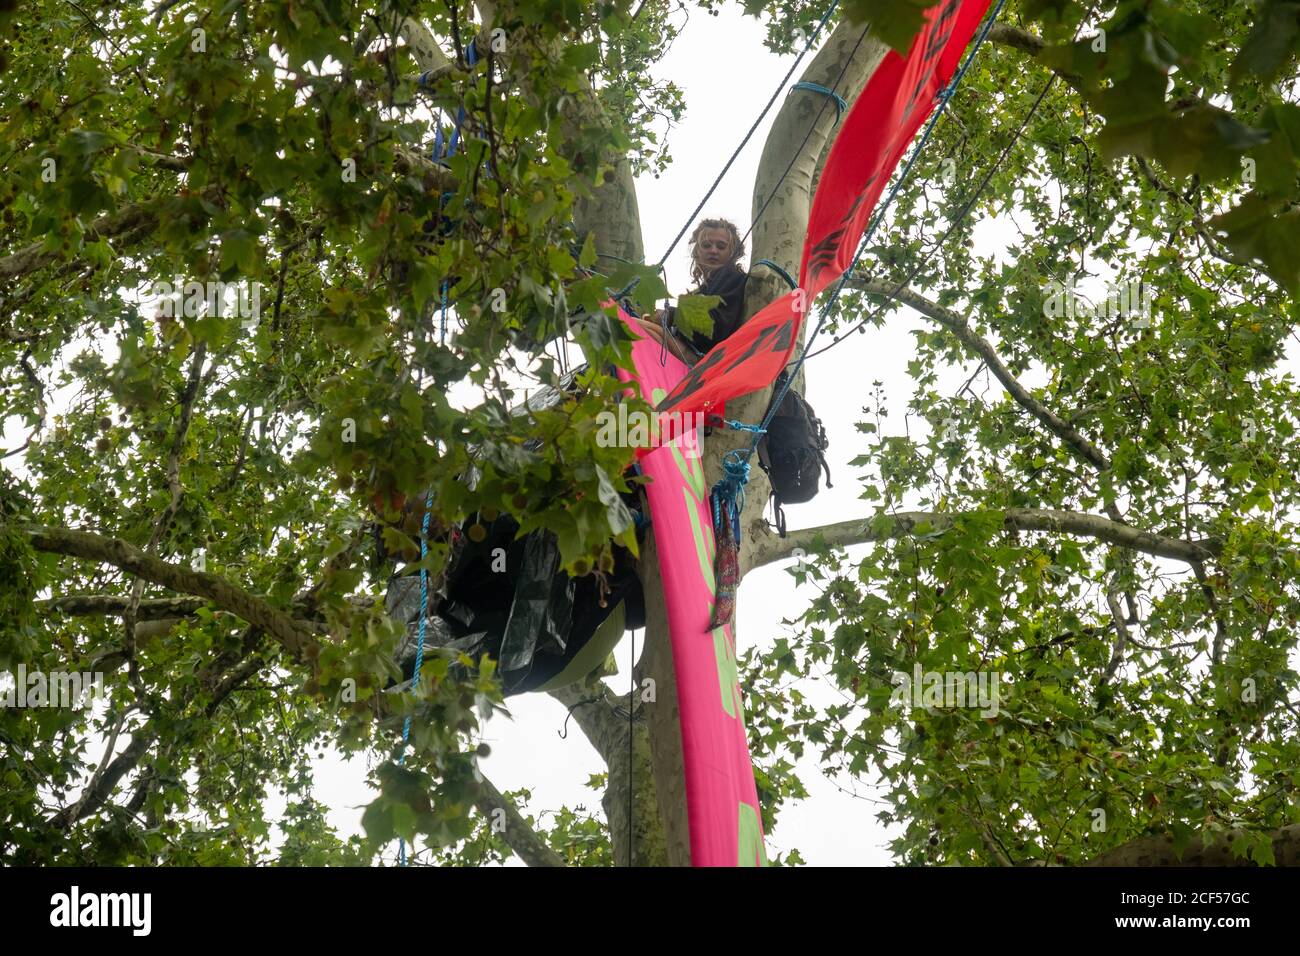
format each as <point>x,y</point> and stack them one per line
<point>594,652</point>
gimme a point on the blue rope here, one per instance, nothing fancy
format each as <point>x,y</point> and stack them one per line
<point>442,335</point>
<point>471,57</point>
<point>778,270</point>
<point>419,645</point>
<point>942,96</point>
<point>841,104</point>
<point>730,491</point>
<point>627,289</point>
<point>623,292</point>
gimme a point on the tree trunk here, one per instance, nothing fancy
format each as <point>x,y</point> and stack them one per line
<point>798,138</point>
<point>663,717</point>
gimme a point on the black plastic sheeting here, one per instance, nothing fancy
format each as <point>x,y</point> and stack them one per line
<point>533,618</point>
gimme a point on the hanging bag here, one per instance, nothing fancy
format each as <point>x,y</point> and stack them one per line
<point>792,453</point>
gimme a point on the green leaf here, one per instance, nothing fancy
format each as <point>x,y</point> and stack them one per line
<point>587,257</point>
<point>648,292</point>
<point>693,316</point>
<point>1270,44</point>
<point>897,22</point>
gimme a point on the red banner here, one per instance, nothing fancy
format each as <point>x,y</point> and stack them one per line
<point>896,101</point>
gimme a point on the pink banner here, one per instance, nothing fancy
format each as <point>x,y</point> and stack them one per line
<point>721,798</point>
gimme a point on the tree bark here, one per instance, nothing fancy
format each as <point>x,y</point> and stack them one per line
<point>296,636</point>
<point>522,838</point>
<point>864,530</point>
<point>663,716</point>
<point>1159,851</point>
<point>635,832</point>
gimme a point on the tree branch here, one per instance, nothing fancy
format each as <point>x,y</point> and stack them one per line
<point>1026,42</point>
<point>424,48</point>
<point>864,530</point>
<point>991,844</point>
<point>523,839</point>
<point>295,635</point>
<point>132,218</point>
<point>1202,228</point>
<point>1220,628</point>
<point>150,609</point>
<point>956,324</point>
<point>188,399</point>
<point>1121,636</point>
<point>101,785</point>
<point>101,788</point>
<point>1016,38</point>
<point>170,608</point>
<point>435,178</point>
<point>73,811</point>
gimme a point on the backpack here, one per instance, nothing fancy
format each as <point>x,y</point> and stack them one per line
<point>792,453</point>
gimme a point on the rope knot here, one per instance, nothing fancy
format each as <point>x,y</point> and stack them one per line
<point>841,104</point>
<point>728,496</point>
<point>731,488</point>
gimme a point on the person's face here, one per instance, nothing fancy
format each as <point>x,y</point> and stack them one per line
<point>713,248</point>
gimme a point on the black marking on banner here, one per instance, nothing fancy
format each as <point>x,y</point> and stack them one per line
<point>938,38</point>
<point>781,336</point>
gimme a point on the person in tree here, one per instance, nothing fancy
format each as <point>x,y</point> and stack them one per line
<point>716,249</point>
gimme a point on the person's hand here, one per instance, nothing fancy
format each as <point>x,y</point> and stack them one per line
<point>655,332</point>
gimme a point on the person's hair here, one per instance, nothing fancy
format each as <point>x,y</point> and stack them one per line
<point>737,245</point>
